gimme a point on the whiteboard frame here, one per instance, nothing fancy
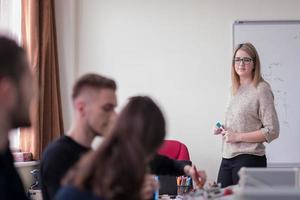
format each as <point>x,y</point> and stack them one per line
<point>258,22</point>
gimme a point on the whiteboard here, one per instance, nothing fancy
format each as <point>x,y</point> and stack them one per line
<point>278,45</point>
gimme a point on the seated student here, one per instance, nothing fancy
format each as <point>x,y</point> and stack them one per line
<point>116,170</point>
<point>163,165</point>
<point>16,91</point>
<point>94,101</point>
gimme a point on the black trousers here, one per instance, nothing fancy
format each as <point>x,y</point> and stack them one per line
<point>228,173</point>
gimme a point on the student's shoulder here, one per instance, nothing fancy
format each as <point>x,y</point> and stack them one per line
<point>59,142</point>
<point>264,92</point>
<point>56,147</point>
<point>263,86</point>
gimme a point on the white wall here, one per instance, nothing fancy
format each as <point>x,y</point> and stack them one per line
<point>179,52</point>
<point>67,50</point>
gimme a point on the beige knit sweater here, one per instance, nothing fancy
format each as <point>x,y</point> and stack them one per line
<point>251,109</point>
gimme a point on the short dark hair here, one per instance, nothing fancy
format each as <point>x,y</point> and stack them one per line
<point>94,81</point>
<point>12,58</point>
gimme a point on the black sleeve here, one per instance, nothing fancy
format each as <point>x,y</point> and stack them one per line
<point>163,165</point>
<point>11,186</point>
<point>54,165</point>
<point>57,159</point>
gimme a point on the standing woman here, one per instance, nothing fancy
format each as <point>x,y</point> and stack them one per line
<point>117,169</point>
<point>250,119</point>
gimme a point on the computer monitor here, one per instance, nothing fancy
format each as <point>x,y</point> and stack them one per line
<point>167,185</point>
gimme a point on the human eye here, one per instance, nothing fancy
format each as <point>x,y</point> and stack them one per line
<point>237,59</point>
<point>247,60</point>
<point>108,108</point>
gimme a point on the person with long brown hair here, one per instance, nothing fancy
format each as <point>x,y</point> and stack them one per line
<point>116,170</point>
<point>250,119</point>
<point>94,100</point>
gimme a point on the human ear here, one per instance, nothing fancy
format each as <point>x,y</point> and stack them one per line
<point>80,107</point>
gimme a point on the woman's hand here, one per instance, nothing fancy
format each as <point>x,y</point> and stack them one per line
<point>230,137</point>
<point>199,177</point>
<point>218,130</point>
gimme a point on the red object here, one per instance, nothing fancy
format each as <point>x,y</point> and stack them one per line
<point>22,156</point>
<point>227,191</point>
<point>175,150</point>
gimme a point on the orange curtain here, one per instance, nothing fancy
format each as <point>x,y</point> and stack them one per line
<point>39,39</point>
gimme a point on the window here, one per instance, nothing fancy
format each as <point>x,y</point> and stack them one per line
<point>10,18</point>
<point>10,24</point>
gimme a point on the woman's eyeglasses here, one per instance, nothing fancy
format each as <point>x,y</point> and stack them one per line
<point>245,60</point>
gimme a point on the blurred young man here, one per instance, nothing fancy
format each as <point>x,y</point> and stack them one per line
<point>94,102</point>
<point>16,90</point>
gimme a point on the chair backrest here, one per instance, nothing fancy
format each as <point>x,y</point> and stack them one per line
<point>175,150</point>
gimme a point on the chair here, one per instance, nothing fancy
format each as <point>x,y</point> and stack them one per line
<point>177,151</point>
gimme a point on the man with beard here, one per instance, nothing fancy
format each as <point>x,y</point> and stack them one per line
<point>16,90</point>
<point>94,100</point>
